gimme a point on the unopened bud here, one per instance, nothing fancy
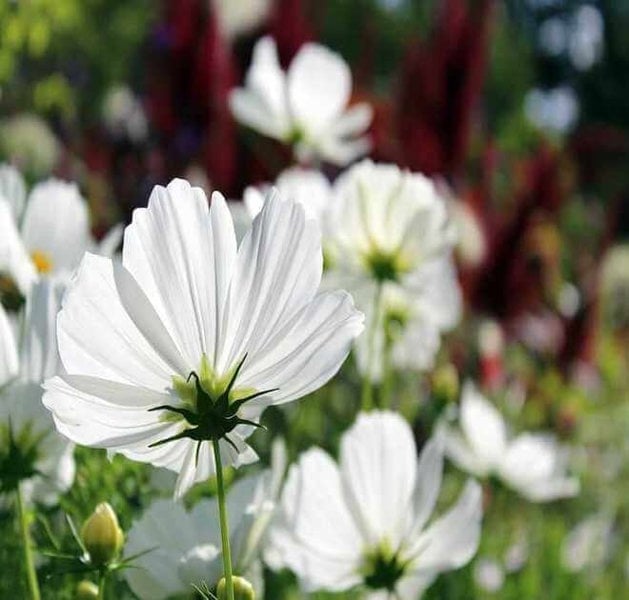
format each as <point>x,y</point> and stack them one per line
<point>86,590</point>
<point>445,383</point>
<point>102,535</point>
<point>243,590</point>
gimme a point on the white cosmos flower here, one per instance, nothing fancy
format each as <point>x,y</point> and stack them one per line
<point>50,235</point>
<point>365,522</point>
<point>185,546</point>
<point>186,300</point>
<point>305,106</point>
<point>21,409</point>
<point>389,230</point>
<point>533,464</point>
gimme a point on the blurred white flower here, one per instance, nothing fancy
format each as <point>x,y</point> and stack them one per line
<point>517,554</point>
<point>124,115</point>
<point>21,410</point>
<point>472,242</point>
<point>28,142</point>
<point>365,521</point>
<point>589,544</point>
<point>53,234</point>
<point>240,16</point>
<point>189,319</point>
<point>533,464</point>
<point>185,546</point>
<point>389,240</point>
<point>489,575</point>
<point>556,109</point>
<point>305,106</point>
<point>586,37</point>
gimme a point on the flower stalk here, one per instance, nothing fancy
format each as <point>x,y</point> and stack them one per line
<point>222,515</point>
<point>29,565</point>
<point>367,383</point>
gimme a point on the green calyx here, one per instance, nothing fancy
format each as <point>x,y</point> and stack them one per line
<point>18,457</point>
<point>382,568</point>
<point>384,266</point>
<point>209,406</point>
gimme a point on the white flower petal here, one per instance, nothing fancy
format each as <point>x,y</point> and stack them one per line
<point>97,337</point>
<point>379,470</point>
<point>305,354</point>
<point>181,254</point>
<point>39,358</point>
<point>319,85</point>
<point>13,189</point>
<point>9,365</point>
<point>483,426</point>
<point>262,103</point>
<point>277,273</point>
<point>461,454</point>
<point>354,121</point>
<point>534,465</point>
<point>110,242</point>
<point>56,223</point>
<point>429,473</point>
<point>14,259</point>
<point>452,540</point>
<point>317,537</point>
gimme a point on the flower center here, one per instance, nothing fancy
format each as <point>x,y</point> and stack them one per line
<point>384,266</point>
<point>382,568</point>
<point>42,261</point>
<point>209,405</point>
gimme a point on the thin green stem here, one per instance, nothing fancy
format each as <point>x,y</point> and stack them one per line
<point>222,514</point>
<point>366,393</point>
<point>102,583</point>
<point>29,565</point>
<point>386,399</point>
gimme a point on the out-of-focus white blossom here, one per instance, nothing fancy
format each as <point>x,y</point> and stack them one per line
<point>589,544</point>
<point>389,239</point>
<point>248,321</point>
<point>124,115</point>
<point>533,464</point>
<point>306,106</point>
<point>21,410</point>
<point>240,16</point>
<point>29,143</point>
<point>489,575</point>
<point>366,521</point>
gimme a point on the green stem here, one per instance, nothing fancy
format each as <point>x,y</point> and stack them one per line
<point>102,583</point>
<point>31,574</point>
<point>386,399</point>
<point>366,392</point>
<point>222,514</point>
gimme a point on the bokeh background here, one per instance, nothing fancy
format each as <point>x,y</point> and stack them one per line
<point>520,107</point>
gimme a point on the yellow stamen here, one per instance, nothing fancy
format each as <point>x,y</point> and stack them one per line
<point>43,262</point>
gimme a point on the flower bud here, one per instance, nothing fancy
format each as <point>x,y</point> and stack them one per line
<point>86,590</point>
<point>102,535</point>
<point>243,590</point>
<point>445,384</point>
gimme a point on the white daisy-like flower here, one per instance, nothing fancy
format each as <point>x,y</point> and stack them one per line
<point>532,464</point>
<point>365,522</point>
<point>51,231</point>
<point>184,547</point>
<point>390,238</point>
<point>192,337</point>
<point>48,457</point>
<point>305,106</point>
